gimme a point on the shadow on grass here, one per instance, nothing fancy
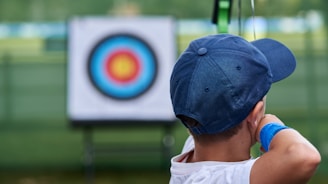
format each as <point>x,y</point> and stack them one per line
<point>101,176</point>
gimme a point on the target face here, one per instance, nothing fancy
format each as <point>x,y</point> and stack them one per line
<point>119,70</point>
<point>122,66</point>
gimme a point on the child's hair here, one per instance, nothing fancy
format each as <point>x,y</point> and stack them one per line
<point>209,138</point>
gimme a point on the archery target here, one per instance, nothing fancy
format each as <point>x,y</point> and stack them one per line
<point>122,66</point>
<point>119,69</point>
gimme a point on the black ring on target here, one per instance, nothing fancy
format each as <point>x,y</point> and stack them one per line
<point>122,66</point>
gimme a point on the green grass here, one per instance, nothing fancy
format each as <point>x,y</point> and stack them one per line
<point>73,177</point>
<point>56,156</point>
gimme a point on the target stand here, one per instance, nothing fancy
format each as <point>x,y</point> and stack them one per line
<point>118,77</point>
<point>93,149</point>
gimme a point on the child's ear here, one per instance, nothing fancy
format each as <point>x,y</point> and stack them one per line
<point>256,114</point>
<point>254,118</point>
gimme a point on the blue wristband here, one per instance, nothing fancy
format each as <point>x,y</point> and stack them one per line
<point>268,132</point>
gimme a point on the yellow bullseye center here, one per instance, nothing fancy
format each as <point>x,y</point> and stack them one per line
<point>122,67</point>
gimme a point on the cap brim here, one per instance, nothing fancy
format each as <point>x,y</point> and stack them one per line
<point>281,60</point>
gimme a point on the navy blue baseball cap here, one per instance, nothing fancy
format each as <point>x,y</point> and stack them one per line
<point>219,79</point>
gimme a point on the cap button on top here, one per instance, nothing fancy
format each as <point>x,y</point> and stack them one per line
<point>202,51</point>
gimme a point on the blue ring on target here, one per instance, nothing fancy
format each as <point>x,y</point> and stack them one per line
<point>121,56</point>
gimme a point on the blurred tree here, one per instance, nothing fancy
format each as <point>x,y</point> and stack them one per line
<point>277,7</point>
<point>177,8</point>
<point>13,10</point>
<point>54,10</point>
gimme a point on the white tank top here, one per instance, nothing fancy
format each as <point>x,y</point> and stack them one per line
<point>208,172</point>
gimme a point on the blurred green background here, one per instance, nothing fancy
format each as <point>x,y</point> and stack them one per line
<point>37,144</point>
